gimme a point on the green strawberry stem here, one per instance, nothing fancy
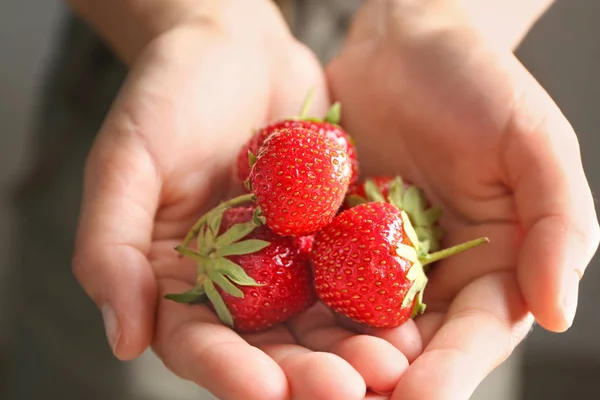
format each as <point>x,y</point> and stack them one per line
<point>333,115</point>
<point>307,103</point>
<point>246,198</point>
<point>450,251</point>
<point>417,273</point>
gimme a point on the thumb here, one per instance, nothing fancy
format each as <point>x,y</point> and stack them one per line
<point>296,76</point>
<point>554,203</point>
<point>121,193</point>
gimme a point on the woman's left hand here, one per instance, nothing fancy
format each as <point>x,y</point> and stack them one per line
<point>426,97</point>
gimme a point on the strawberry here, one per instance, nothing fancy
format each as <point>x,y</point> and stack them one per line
<point>299,181</point>
<point>328,127</point>
<point>305,243</point>
<point>300,178</point>
<point>253,277</point>
<point>381,184</point>
<point>332,131</point>
<point>407,197</point>
<point>368,265</point>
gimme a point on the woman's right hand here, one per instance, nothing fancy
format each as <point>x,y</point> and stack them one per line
<point>162,157</point>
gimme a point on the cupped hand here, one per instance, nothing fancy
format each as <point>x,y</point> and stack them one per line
<point>426,97</point>
<point>163,157</point>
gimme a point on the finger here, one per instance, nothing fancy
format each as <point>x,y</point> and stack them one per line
<point>290,94</point>
<point>195,345</point>
<point>317,375</point>
<point>379,363</point>
<point>555,206</point>
<point>428,324</point>
<point>450,276</point>
<point>333,376</point>
<point>121,192</point>
<point>483,326</point>
<point>405,338</point>
<point>310,375</point>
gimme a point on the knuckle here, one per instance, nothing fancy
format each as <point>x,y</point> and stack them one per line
<point>595,237</point>
<point>589,240</point>
<point>78,265</point>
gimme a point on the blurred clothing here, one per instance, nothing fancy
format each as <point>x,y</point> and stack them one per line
<point>60,350</point>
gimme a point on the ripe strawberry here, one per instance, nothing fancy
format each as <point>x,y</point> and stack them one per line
<point>329,126</point>
<point>299,179</point>
<point>305,243</point>
<point>332,131</point>
<point>381,184</point>
<point>405,196</point>
<point>254,278</point>
<point>368,265</point>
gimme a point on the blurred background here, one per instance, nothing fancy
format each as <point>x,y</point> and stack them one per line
<point>562,52</point>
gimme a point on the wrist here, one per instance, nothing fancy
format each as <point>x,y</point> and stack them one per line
<point>501,23</point>
<point>128,26</point>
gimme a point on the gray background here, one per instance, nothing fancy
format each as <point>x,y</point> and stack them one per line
<point>563,52</point>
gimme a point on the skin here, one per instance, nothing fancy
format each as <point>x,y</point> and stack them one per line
<point>160,161</point>
<point>464,120</point>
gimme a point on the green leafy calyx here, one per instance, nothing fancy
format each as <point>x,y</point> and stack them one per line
<point>307,103</point>
<point>420,258</point>
<point>411,200</point>
<point>251,159</point>
<point>416,273</point>
<point>333,115</point>
<point>192,296</point>
<point>213,269</point>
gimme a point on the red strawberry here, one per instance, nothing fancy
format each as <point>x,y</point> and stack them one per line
<point>299,182</point>
<point>405,196</point>
<point>368,265</point>
<point>305,243</point>
<point>254,278</point>
<point>382,183</point>
<point>299,179</point>
<point>330,130</point>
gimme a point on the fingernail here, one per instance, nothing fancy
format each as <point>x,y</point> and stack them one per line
<point>570,296</point>
<point>111,326</point>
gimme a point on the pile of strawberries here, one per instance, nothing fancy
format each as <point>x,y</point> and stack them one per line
<point>307,229</point>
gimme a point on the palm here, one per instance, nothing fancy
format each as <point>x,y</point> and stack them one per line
<point>183,110</point>
<point>442,116</point>
<point>476,200</point>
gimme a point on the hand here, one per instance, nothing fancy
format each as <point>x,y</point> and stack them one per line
<point>426,97</point>
<point>162,158</point>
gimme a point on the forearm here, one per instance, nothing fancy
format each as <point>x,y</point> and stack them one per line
<point>128,25</point>
<point>504,22</point>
